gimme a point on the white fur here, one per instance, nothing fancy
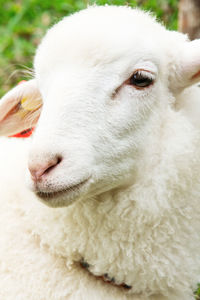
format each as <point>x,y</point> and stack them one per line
<point>136,218</point>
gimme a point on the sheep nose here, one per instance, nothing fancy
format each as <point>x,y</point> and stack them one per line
<point>39,169</point>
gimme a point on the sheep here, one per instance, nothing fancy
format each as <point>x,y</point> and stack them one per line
<point>114,161</point>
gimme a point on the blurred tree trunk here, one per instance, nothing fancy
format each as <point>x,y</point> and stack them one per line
<point>189,18</point>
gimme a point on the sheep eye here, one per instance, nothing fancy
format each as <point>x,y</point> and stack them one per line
<point>140,79</point>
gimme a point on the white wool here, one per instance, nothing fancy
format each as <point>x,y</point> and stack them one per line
<point>137,216</point>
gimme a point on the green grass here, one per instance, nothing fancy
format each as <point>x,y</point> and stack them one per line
<point>197,294</point>
<point>24,22</point>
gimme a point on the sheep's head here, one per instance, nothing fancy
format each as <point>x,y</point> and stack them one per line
<point>103,75</point>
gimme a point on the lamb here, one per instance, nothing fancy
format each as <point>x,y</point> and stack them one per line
<point>114,161</point>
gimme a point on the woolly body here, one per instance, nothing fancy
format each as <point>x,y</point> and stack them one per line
<point>137,218</point>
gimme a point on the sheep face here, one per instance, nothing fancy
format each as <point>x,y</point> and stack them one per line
<point>106,79</point>
<point>98,88</point>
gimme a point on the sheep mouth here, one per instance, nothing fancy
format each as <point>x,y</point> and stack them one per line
<point>64,192</point>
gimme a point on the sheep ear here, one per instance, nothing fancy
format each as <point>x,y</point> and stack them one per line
<point>20,108</point>
<point>187,72</point>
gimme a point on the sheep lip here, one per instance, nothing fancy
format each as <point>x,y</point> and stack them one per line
<point>66,190</point>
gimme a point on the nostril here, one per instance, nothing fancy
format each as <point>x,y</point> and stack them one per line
<point>39,169</point>
<point>53,165</point>
<point>59,159</point>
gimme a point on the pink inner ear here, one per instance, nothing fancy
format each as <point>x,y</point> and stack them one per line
<point>195,76</point>
<point>14,117</point>
<point>7,107</point>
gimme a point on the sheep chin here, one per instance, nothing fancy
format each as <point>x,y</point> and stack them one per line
<point>63,197</point>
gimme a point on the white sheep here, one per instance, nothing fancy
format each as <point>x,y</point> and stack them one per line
<point>116,152</point>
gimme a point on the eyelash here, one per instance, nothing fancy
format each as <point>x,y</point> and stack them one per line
<point>143,73</point>
<point>141,79</point>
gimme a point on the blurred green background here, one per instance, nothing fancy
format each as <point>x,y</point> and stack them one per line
<point>24,22</point>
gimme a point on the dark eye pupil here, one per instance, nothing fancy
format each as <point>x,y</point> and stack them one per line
<point>140,80</point>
